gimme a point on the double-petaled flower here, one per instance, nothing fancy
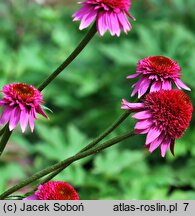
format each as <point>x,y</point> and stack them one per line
<point>109,15</point>
<point>156,73</point>
<point>163,115</point>
<point>21,103</point>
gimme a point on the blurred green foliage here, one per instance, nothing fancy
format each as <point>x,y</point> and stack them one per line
<point>85,99</point>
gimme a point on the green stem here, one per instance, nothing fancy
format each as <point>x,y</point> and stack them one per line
<point>107,131</point>
<point>93,143</point>
<point>2,130</point>
<point>6,135</point>
<point>71,57</point>
<point>66,162</point>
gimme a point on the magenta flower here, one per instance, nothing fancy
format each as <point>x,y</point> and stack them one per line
<point>163,116</point>
<point>54,190</point>
<point>157,72</point>
<point>109,15</point>
<point>21,102</point>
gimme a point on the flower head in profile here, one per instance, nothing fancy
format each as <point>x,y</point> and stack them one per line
<point>163,116</point>
<point>109,15</point>
<point>157,72</point>
<point>54,190</point>
<point>20,104</point>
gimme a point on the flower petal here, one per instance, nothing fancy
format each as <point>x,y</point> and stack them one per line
<point>156,86</point>
<point>133,76</point>
<point>40,111</point>
<point>132,106</point>
<point>32,117</point>
<point>172,145</point>
<point>32,197</point>
<point>166,85</point>
<point>87,19</point>
<point>24,119</point>
<point>165,145</point>
<point>124,23</point>
<point>14,118</point>
<point>101,23</point>
<point>144,85</point>
<point>82,12</point>
<point>6,115</point>
<point>137,86</point>
<point>113,26</point>
<point>142,115</point>
<point>152,135</point>
<point>156,143</point>
<point>143,124</point>
<point>143,131</point>
<point>180,84</point>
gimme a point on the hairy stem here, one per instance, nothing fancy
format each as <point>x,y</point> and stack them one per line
<point>66,162</point>
<point>92,144</point>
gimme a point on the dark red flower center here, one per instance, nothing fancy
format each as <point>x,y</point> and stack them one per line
<point>162,65</point>
<point>23,90</point>
<point>115,4</point>
<point>171,111</point>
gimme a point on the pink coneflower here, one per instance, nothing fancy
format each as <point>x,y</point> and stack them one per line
<point>21,102</point>
<point>109,15</point>
<point>54,190</point>
<point>157,72</point>
<point>163,116</point>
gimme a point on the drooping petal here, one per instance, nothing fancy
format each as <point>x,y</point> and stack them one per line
<point>143,124</point>
<point>5,116</point>
<point>133,76</point>
<point>87,19</point>
<point>172,145</point>
<point>180,84</point>
<point>144,85</point>
<point>101,24</point>
<point>154,145</point>
<point>31,119</point>
<point>132,106</point>
<point>40,111</point>
<point>166,85</point>
<point>24,119</point>
<point>165,145</point>
<point>137,86</point>
<point>14,118</point>
<point>152,135</point>
<point>126,26</point>
<point>115,24</point>
<point>156,86</point>
<point>142,115</point>
<point>2,102</point>
<point>86,9</point>
<point>143,131</point>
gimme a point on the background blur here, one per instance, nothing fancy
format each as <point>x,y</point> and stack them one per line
<point>35,37</point>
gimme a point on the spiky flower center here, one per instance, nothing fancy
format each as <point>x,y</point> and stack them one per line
<point>161,65</point>
<point>115,4</point>
<point>171,111</point>
<point>23,90</point>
